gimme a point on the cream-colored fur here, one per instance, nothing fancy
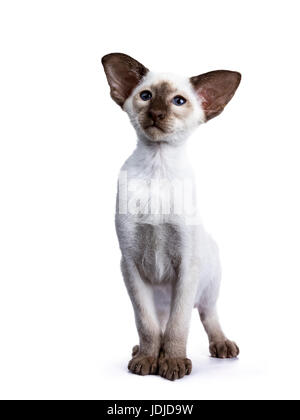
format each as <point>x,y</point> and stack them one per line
<point>169,263</point>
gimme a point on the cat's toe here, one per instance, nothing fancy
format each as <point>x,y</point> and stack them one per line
<point>174,368</point>
<point>143,365</point>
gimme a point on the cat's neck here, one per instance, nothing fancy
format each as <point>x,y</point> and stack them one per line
<point>160,159</point>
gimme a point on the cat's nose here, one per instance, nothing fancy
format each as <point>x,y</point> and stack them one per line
<point>156,114</point>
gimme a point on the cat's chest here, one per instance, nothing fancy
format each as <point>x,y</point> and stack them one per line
<point>159,197</point>
<point>157,251</point>
<point>153,197</point>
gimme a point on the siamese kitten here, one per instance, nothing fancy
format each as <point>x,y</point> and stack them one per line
<point>169,263</point>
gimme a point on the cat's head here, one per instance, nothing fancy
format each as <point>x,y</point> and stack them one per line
<point>165,107</point>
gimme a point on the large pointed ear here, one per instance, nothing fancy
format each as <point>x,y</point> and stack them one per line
<point>215,89</point>
<point>123,75</point>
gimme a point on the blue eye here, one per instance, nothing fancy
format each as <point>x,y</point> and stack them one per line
<point>178,100</point>
<point>146,95</point>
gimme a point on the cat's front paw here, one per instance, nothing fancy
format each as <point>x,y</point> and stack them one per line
<point>173,368</point>
<point>224,349</point>
<point>142,365</point>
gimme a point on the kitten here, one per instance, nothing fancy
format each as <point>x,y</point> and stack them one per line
<point>169,263</point>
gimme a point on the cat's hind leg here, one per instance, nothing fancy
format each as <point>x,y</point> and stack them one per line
<point>219,345</point>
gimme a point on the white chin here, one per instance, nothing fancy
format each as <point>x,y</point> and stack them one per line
<point>154,134</point>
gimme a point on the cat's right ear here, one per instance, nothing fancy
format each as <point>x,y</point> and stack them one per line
<point>123,75</point>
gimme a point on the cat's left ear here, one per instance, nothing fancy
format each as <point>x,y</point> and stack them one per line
<point>123,75</point>
<point>215,89</point>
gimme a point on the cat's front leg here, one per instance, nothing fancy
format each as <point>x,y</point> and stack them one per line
<point>173,362</point>
<point>145,356</point>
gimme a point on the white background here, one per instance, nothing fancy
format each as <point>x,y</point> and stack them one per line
<point>66,323</point>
